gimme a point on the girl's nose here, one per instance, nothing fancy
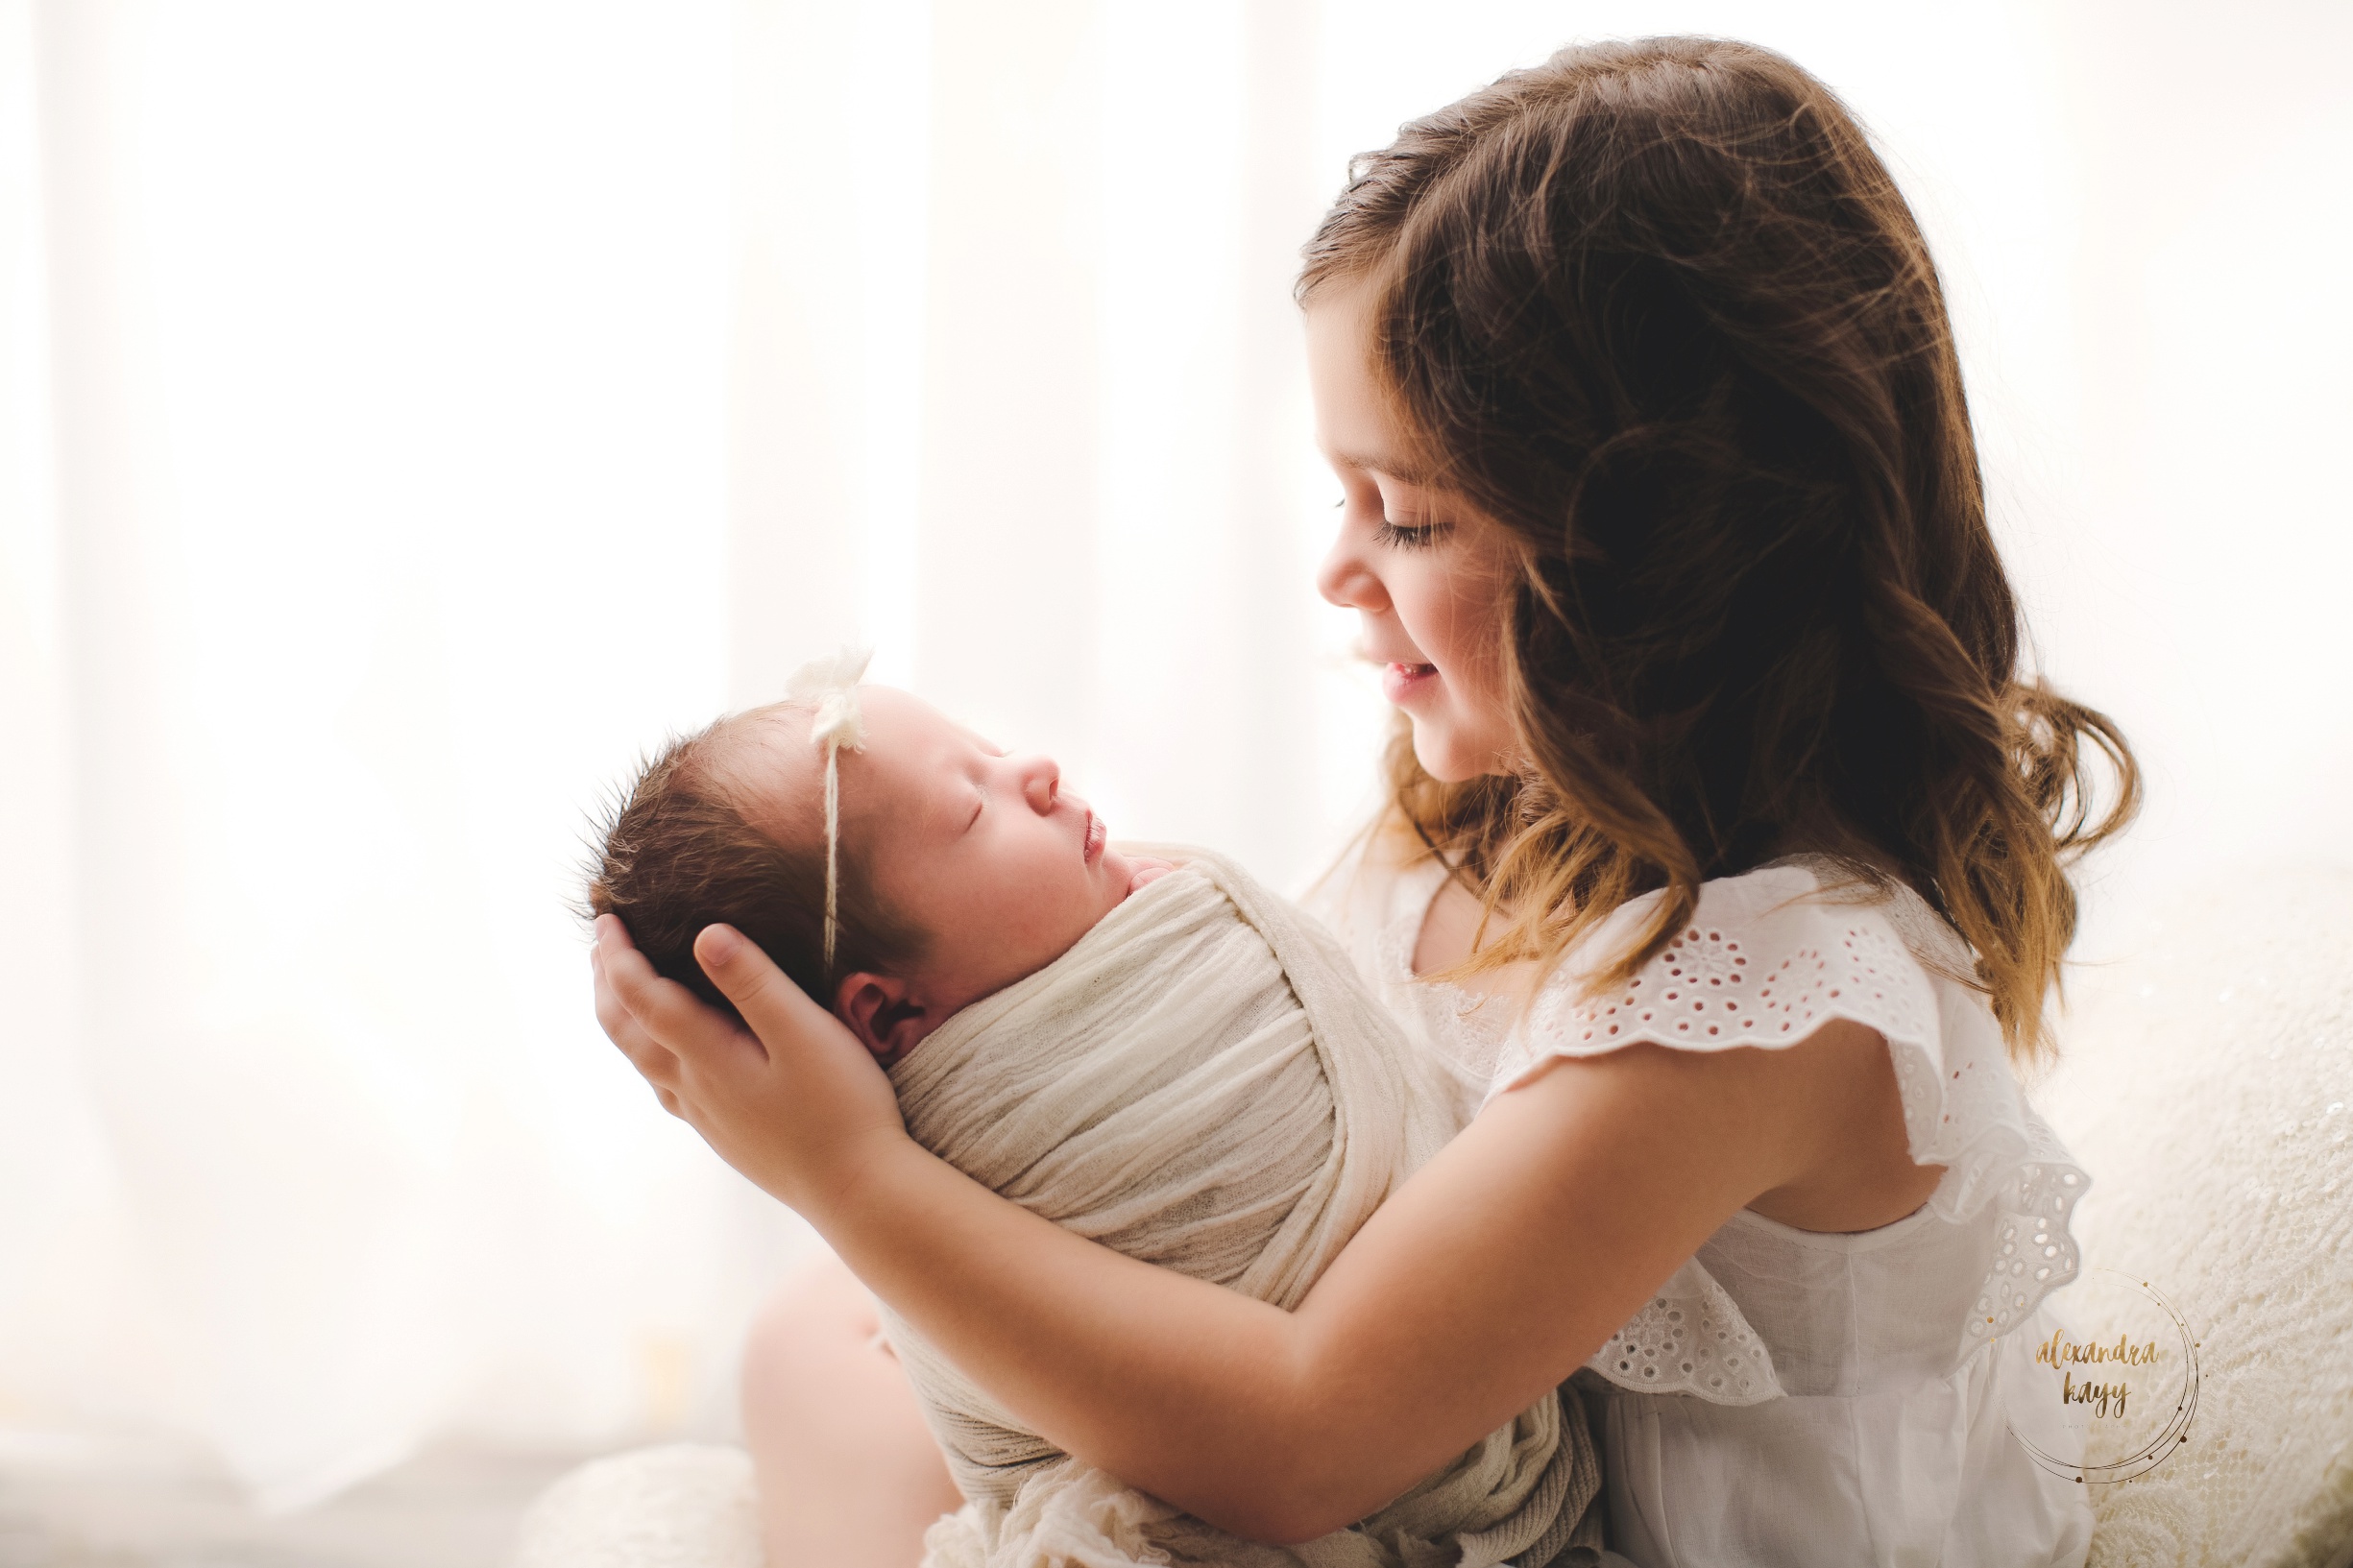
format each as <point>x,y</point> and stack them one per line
<point>1041,783</point>
<point>1346,579</point>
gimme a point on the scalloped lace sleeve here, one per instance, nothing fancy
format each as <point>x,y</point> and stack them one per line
<point>1768,958</point>
<point>1765,962</point>
<point>1690,1337</point>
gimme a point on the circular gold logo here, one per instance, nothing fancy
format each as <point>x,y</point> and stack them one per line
<point>2115,1391</point>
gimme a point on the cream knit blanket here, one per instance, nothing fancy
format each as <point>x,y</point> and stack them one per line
<point>1204,1082</point>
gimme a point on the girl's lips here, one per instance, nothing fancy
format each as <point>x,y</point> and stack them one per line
<point>1097,835</point>
<point>1400,682</point>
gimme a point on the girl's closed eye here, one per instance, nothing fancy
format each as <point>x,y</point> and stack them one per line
<point>1407,536</point>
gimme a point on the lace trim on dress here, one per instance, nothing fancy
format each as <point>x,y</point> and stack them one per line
<point>2036,1254</point>
<point>1690,1339</point>
<point>1468,1032</point>
<point>1721,984</point>
<point>1769,957</point>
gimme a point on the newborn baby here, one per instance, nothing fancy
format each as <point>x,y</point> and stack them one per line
<point>1162,1057</point>
<point>963,869</point>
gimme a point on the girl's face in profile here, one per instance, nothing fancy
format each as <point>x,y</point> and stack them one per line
<point>1429,578</point>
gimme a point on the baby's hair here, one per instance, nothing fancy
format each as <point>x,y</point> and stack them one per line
<point>1658,311</point>
<point>676,851</point>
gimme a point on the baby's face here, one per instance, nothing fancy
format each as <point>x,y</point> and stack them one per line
<point>987,853</point>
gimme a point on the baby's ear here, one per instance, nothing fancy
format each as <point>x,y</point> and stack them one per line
<point>879,1011</point>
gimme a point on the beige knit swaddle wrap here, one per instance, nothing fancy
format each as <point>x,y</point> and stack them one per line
<point>1202,1082</point>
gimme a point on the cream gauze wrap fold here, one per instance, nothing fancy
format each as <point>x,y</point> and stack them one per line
<point>1204,1082</point>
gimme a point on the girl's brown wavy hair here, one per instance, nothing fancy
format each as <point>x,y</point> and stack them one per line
<point>1658,311</point>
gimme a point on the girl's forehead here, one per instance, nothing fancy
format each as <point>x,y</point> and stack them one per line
<point>1356,417</point>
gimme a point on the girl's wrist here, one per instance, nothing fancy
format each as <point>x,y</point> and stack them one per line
<point>891,1206</point>
<point>852,1185</point>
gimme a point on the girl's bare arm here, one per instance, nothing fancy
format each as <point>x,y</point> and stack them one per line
<point>1496,1271</point>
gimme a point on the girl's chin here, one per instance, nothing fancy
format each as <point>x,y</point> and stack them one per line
<point>1444,756</point>
<point>1439,759</point>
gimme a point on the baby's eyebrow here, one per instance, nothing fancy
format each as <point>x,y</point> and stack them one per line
<point>987,746</point>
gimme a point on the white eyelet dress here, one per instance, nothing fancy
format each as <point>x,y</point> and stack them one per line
<point>1791,1397</point>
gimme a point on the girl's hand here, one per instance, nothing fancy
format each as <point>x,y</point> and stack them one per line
<point>797,1105</point>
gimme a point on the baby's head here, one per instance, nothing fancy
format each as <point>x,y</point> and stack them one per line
<point>962,869</point>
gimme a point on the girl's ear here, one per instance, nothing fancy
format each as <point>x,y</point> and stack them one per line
<point>883,1013</point>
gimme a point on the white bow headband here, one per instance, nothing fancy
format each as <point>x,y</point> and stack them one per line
<point>832,684</point>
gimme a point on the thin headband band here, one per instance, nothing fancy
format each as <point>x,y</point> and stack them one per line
<point>832,684</point>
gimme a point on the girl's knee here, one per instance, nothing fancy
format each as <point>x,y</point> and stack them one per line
<point>818,1318</point>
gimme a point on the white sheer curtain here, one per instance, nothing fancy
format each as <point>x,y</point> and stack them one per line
<point>407,412</point>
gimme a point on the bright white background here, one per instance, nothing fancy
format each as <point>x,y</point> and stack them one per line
<point>409,411</point>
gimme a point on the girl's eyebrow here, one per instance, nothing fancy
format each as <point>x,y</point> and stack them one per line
<point>1404,470</point>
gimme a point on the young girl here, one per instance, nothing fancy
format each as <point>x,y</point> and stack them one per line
<point>1729,829</point>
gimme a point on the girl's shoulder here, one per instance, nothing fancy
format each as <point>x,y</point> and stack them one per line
<point>1769,957</point>
<point>1766,959</point>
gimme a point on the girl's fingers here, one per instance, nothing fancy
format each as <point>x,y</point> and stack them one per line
<point>786,1119</point>
<point>657,1062</point>
<point>663,1011</point>
<point>646,1054</point>
<point>775,1008</point>
<point>622,969</point>
<point>797,1109</point>
<point>611,1016</point>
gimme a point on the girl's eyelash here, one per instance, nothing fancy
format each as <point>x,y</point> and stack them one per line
<point>1405,535</point>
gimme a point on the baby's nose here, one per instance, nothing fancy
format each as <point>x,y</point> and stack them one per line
<point>1041,783</point>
